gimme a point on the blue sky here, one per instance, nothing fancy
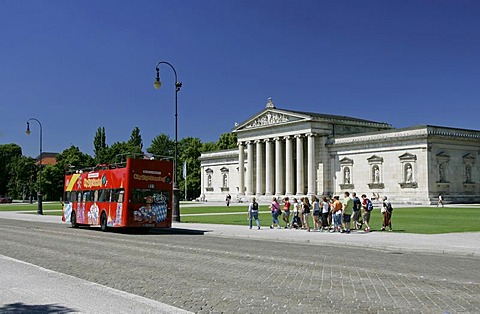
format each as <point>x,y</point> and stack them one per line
<point>79,65</point>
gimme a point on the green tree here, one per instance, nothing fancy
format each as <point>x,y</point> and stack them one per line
<point>99,141</point>
<point>162,145</point>
<point>136,139</point>
<point>208,147</point>
<point>227,141</point>
<point>53,176</point>
<point>118,153</point>
<point>52,182</point>
<point>72,157</point>
<point>189,152</point>
<point>22,172</point>
<point>8,154</point>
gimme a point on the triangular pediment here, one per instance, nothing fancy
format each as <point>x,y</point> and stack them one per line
<point>468,157</point>
<point>443,155</point>
<point>408,157</point>
<point>346,161</point>
<point>375,159</point>
<point>271,117</point>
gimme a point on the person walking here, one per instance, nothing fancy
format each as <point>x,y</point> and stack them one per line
<point>337,214</point>
<point>347,212</point>
<point>286,212</point>
<point>316,213</point>
<point>296,221</point>
<point>440,201</point>
<point>325,212</point>
<point>357,206</point>
<point>276,211</point>
<point>253,213</point>
<point>367,210</point>
<point>306,208</point>
<point>228,199</point>
<point>387,210</point>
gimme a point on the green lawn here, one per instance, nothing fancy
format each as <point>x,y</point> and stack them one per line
<point>32,207</point>
<point>422,220</point>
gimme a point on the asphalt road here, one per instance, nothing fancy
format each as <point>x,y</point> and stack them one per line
<point>207,274</point>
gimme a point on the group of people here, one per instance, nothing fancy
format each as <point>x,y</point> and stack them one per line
<point>329,214</point>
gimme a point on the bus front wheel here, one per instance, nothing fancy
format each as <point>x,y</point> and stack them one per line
<point>103,222</point>
<point>73,220</point>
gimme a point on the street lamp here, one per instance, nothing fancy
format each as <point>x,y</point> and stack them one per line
<point>39,209</point>
<point>176,191</point>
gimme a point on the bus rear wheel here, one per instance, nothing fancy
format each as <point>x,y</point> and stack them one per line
<point>73,220</point>
<point>103,222</point>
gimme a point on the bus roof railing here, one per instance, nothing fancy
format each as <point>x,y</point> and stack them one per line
<point>122,163</point>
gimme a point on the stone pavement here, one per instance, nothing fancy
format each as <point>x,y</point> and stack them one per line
<point>27,288</point>
<point>466,244</point>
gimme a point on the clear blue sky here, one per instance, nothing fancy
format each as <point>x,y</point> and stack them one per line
<point>79,65</point>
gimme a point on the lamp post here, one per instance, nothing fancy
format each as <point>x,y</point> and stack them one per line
<point>39,208</point>
<point>176,191</point>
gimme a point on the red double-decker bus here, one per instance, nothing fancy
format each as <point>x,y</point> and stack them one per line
<point>135,193</point>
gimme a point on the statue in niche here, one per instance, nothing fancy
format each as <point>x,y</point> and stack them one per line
<point>408,174</point>
<point>468,174</point>
<point>225,180</point>
<point>376,175</point>
<point>441,173</point>
<point>346,176</point>
<point>209,181</point>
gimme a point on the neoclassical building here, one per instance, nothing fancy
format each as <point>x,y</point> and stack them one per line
<point>293,153</point>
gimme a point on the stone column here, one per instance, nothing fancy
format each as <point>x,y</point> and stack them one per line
<point>300,165</point>
<point>311,164</point>
<point>250,168</point>
<point>289,167</point>
<point>260,160</point>
<point>279,165</point>
<point>241,169</point>
<point>269,167</point>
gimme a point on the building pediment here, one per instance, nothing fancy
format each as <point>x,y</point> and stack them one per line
<point>270,117</point>
<point>468,158</point>
<point>346,161</point>
<point>375,159</point>
<point>408,157</point>
<point>443,155</point>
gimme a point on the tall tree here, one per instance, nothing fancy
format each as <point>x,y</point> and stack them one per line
<point>136,139</point>
<point>162,145</point>
<point>209,147</point>
<point>118,153</point>
<point>189,152</point>
<point>53,175</point>
<point>8,154</point>
<point>22,172</point>
<point>99,141</point>
<point>227,141</point>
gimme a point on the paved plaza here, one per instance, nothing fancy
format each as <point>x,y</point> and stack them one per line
<point>232,269</point>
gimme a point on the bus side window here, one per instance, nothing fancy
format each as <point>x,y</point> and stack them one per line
<point>102,195</point>
<point>117,195</point>
<point>67,197</point>
<point>108,194</point>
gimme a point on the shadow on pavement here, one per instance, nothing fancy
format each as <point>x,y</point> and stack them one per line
<point>44,308</point>
<point>151,231</point>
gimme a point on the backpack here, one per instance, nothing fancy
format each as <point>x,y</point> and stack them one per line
<point>389,207</point>
<point>369,206</point>
<point>255,206</point>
